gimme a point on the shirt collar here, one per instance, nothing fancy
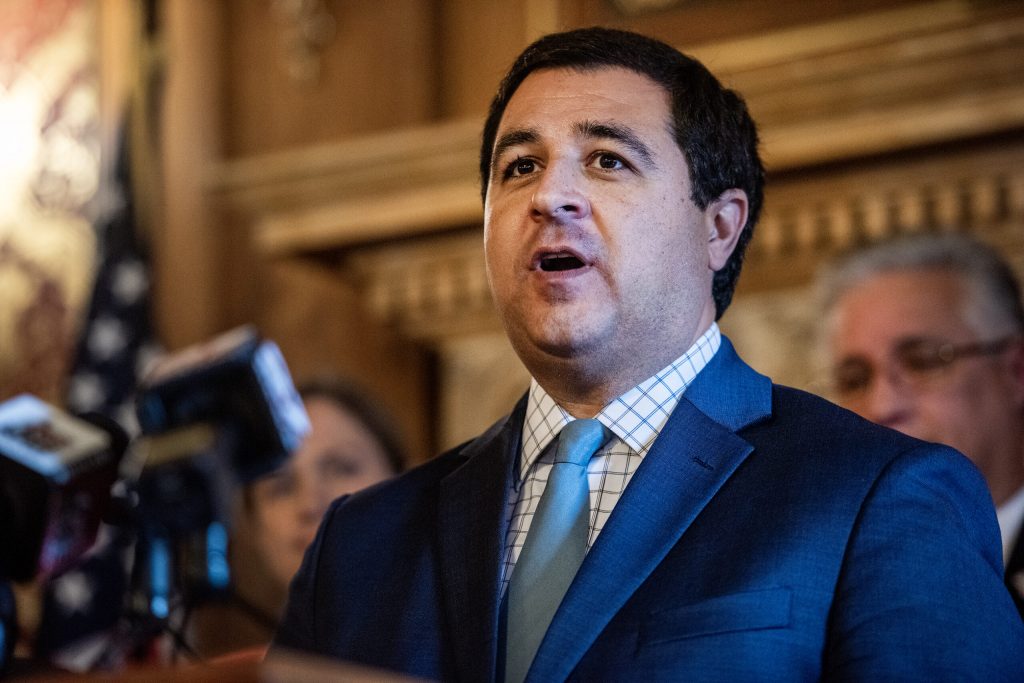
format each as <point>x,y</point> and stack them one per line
<point>636,417</point>
<point>1010,515</point>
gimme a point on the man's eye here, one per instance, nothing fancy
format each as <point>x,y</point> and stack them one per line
<point>276,485</point>
<point>338,466</point>
<point>609,162</point>
<point>924,357</point>
<point>520,167</point>
<point>851,377</point>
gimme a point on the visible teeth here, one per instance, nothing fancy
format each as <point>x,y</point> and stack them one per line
<point>560,262</point>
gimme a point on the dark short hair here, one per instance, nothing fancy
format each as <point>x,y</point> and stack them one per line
<point>352,399</point>
<point>710,123</point>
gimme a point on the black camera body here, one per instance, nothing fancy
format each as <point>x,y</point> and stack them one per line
<point>56,472</point>
<point>213,416</point>
<point>237,382</point>
<point>8,625</point>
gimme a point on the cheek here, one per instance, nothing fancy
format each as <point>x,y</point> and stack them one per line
<point>942,413</point>
<point>338,484</point>
<point>504,223</point>
<point>681,267</point>
<point>492,227</point>
<point>342,485</point>
<point>952,415</point>
<point>275,522</point>
<point>678,235</point>
<point>497,253</point>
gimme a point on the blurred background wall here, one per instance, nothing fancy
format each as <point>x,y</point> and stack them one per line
<point>309,166</point>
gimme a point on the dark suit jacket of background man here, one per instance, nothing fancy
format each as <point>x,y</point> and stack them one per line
<point>1015,571</point>
<point>767,535</point>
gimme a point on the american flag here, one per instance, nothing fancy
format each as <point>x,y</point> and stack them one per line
<point>117,343</point>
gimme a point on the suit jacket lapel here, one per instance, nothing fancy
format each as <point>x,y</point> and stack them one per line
<point>471,530</point>
<point>693,456</point>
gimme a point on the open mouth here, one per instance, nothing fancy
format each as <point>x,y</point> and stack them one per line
<point>558,262</point>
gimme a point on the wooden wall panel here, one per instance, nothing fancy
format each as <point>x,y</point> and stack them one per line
<point>188,246</point>
<point>323,328</point>
<point>690,22</point>
<point>378,71</point>
<point>478,42</point>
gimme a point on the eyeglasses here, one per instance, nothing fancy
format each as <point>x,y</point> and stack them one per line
<point>919,361</point>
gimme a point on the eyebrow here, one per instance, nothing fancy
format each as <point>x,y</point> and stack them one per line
<point>521,136</point>
<point>614,131</point>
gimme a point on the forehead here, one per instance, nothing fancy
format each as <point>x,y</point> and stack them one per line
<point>331,422</point>
<point>555,96</point>
<point>897,305</point>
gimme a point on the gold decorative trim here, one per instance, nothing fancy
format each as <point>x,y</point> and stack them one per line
<point>408,182</point>
<point>974,192</point>
<point>834,37</point>
<point>638,7</point>
<point>432,290</point>
<point>308,27</point>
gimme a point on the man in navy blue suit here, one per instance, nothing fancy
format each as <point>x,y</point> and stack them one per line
<point>734,529</point>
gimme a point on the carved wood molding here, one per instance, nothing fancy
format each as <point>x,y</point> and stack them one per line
<point>809,218</point>
<point>396,184</point>
<point>437,289</point>
<point>880,82</point>
<point>432,289</point>
<point>402,209</point>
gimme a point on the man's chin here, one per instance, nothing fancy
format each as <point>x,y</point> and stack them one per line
<point>569,344</point>
<point>569,334</point>
<point>564,336</point>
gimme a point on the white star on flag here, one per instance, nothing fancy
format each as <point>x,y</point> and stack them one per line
<point>107,337</point>
<point>129,282</point>
<point>74,592</point>
<point>86,391</point>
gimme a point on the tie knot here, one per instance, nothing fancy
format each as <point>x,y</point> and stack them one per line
<point>579,440</point>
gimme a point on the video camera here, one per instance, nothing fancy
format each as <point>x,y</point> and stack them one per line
<point>212,416</point>
<point>56,473</point>
<point>237,382</point>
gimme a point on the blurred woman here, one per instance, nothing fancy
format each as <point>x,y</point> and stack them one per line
<point>351,446</point>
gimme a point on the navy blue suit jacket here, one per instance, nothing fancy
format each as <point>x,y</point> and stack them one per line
<point>767,535</point>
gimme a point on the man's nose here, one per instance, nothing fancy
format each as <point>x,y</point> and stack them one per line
<point>560,195</point>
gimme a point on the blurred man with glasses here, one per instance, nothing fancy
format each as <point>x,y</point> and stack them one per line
<point>926,335</point>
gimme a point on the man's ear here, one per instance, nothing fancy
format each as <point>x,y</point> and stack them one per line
<point>725,216</point>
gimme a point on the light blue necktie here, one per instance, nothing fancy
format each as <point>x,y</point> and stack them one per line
<point>554,548</point>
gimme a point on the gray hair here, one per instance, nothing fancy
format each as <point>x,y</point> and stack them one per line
<point>991,286</point>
